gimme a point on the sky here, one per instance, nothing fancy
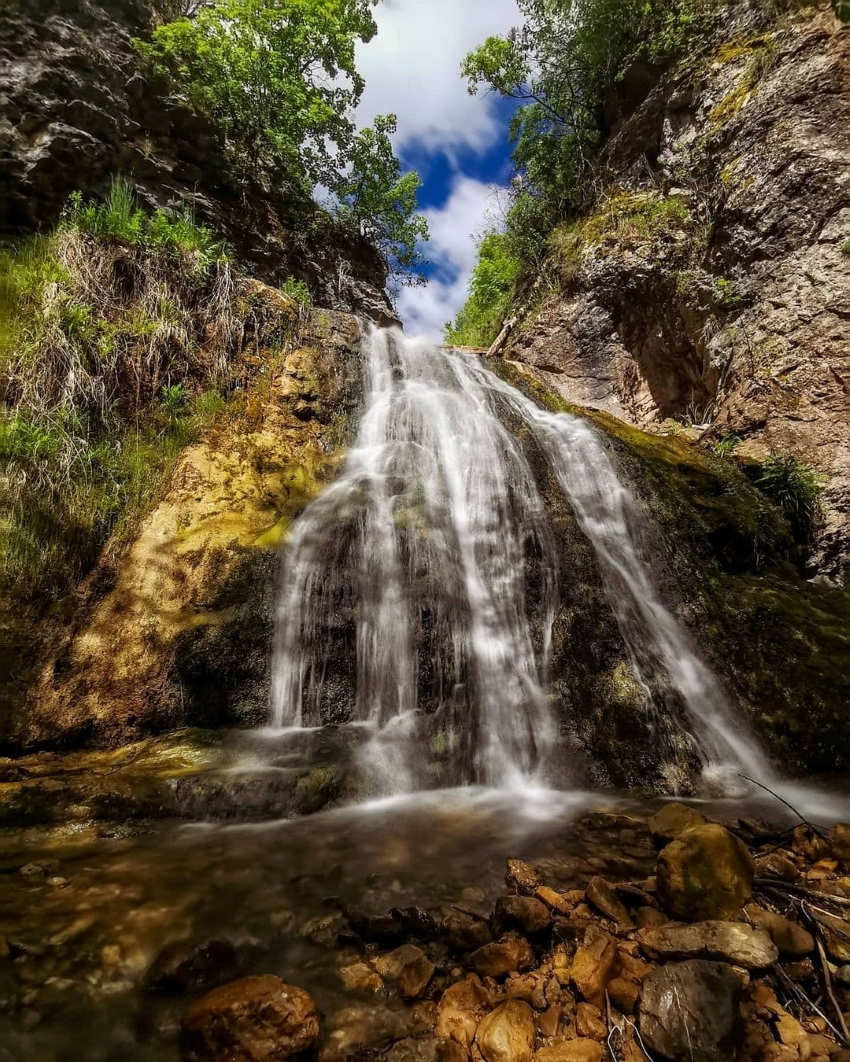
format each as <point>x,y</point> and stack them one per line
<point>457,142</point>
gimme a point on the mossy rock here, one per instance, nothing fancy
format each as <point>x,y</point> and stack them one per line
<point>729,567</point>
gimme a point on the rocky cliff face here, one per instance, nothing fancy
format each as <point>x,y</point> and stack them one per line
<point>712,283</point>
<point>176,630</point>
<point>76,109</point>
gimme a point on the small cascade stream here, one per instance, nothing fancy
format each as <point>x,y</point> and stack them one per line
<point>419,592</point>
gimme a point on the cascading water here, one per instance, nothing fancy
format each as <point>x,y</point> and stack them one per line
<point>419,591</point>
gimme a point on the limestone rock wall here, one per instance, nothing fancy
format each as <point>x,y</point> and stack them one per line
<point>739,318</point>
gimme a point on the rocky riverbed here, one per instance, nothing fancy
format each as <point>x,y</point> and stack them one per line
<point>735,948</point>
<point>622,930</point>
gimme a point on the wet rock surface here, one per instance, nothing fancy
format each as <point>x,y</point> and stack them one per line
<point>705,873</point>
<point>690,1010</point>
<point>732,942</point>
<point>258,1019</point>
<point>771,146</point>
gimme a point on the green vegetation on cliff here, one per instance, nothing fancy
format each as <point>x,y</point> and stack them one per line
<point>280,79</point>
<point>117,335</point>
<point>577,68</point>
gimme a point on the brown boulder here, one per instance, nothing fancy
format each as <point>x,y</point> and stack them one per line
<point>571,1051</point>
<point>507,1033</point>
<point>672,821</point>
<point>257,1019</point>
<point>523,913</point>
<point>465,932</point>
<point>624,995</point>
<point>430,1049</point>
<point>809,844</point>
<point>650,918</point>
<point>556,900</point>
<point>777,865</point>
<point>503,957</point>
<point>459,1010</point>
<point>358,977</point>
<point>594,964</point>
<point>733,942</point>
<point>605,899</point>
<point>409,967</point>
<point>839,839</point>
<point>690,1011</point>
<point>706,873</point>
<point>790,937</point>
<point>589,1023</point>
<point>522,877</point>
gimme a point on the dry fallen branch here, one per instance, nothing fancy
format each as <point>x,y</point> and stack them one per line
<point>827,980</point>
<point>795,990</point>
<point>800,890</point>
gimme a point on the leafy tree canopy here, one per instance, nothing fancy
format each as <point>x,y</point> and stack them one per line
<point>559,65</point>
<point>279,78</point>
<point>376,196</point>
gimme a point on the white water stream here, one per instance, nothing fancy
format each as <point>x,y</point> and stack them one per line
<point>423,584</point>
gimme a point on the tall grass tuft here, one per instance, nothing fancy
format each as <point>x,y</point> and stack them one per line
<point>117,333</point>
<point>796,489</point>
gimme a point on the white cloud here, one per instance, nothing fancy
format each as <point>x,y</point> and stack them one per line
<point>472,209</point>
<point>412,69</point>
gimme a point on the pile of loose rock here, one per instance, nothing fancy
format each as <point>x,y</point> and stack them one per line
<point>731,951</point>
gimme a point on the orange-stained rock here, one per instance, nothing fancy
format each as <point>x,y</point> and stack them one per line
<point>257,1019</point>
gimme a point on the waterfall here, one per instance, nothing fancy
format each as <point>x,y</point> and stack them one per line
<point>419,592</point>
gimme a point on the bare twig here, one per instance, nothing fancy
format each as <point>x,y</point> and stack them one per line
<point>795,990</point>
<point>817,829</point>
<point>827,980</point>
<point>801,890</point>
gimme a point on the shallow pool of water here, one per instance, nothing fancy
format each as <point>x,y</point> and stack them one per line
<point>84,930</point>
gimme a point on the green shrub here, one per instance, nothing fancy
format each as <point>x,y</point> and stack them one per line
<point>120,218</point>
<point>490,289</point>
<point>846,249</point>
<point>795,488</point>
<point>726,445</point>
<point>728,295</point>
<point>298,290</point>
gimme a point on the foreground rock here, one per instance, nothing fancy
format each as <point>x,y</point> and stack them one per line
<point>672,821</point>
<point>571,1051</point>
<point>257,1019</point>
<point>690,1011</point>
<point>508,1033</point>
<point>503,957</point>
<point>790,938</point>
<point>409,967</point>
<point>733,942</point>
<point>705,873</point>
<point>601,969</point>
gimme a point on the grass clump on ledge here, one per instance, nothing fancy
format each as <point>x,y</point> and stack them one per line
<point>795,488</point>
<point>116,336</point>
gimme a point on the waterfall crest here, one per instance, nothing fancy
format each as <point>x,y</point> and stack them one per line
<point>419,592</point>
